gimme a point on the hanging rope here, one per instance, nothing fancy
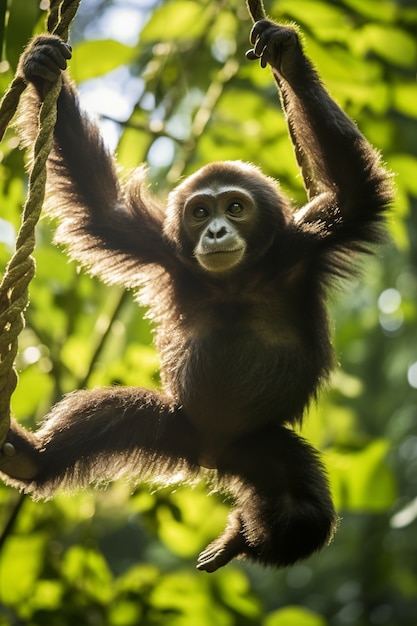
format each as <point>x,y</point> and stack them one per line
<point>21,267</point>
<point>256,10</point>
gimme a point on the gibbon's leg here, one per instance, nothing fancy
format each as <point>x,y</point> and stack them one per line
<point>97,435</point>
<point>284,510</point>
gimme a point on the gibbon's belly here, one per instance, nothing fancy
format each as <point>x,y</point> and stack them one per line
<point>235,383</point>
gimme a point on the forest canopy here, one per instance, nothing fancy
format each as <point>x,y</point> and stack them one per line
<point>170,85</point>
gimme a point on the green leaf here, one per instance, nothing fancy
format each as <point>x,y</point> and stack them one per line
<point>176,20</point>
<point>237,594</point>
<point>87,569</point>
<point>35,386</point>
<point>294,616</point>
<point>362,481</point>
<point>20,564</point>
<point>199,519</point>
<point>95,58</point>
<point>325,20</point>
<point>133,146</point>
<point>47,595</point>
<point>392,44</point>
<point>182,593</point>
<point>384,9</point>
<point>405,98</point>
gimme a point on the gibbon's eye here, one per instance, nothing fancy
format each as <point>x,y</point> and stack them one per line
<point>200,212</point>
<point>235,208</point>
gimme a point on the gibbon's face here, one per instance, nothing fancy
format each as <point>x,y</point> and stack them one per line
<point>222,214</point>
<point>217,219</point>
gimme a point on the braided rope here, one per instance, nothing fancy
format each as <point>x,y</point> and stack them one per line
<point>256,9</point>
<point>21,267</point>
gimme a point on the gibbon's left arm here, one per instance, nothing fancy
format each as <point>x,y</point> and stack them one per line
<point>112,228</point>
<point>348,189</point>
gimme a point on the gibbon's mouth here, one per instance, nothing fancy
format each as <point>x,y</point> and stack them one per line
<point>225,251</point>
<point>220,260</point>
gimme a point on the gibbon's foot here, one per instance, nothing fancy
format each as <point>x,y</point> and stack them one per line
<point>17,455</point>
<point>220,552</point>
<point>230,544</point>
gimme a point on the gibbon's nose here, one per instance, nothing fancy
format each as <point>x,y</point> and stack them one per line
<point>217,231</point>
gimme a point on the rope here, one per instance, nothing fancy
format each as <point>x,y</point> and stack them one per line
<point>21,267</point>
<point>59,19</point>
<point>59,25</point>
<point>256,10</point>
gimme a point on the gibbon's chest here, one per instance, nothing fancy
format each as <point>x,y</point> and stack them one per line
<point>234,336</point>
<point>266,314</point>
<point>231,380</point>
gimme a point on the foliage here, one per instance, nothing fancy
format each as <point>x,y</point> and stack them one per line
<point>180,96</point>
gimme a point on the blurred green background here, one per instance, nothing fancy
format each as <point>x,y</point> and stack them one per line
<point>169,84</point>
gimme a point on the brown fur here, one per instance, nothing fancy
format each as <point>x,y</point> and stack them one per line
<point>243,351</point>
